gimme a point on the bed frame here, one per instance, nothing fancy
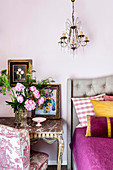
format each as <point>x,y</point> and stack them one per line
<point>82,88</point>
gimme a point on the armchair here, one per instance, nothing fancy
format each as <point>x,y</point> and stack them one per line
<point>15,151</point>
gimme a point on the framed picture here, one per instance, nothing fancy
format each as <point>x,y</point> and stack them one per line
<point>17,70</point>
<point>51,106</point>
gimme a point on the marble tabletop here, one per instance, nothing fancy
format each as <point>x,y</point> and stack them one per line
<point>49,126</point>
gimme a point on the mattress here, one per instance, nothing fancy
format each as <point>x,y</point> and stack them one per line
<point>92,153</point>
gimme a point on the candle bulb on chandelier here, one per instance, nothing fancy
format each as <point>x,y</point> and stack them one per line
<point>86,38</point>
<point>81,33</point>
<point>63,35</point>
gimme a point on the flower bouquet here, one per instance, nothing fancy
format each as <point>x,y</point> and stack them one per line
<point>24,96</point>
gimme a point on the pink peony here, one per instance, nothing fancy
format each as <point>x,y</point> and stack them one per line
<point>36,94</point>
<point>32,88</point>
<point>40,101</point>
<point>30,105</point>
<point>20,99</point>
<point>19,87</point>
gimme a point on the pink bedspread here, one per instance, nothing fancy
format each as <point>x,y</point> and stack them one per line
<point>92,153</point>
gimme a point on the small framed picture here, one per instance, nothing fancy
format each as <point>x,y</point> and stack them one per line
<point>50,109</point>
<point>17,70</point>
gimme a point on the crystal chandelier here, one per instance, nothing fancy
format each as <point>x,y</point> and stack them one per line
<point>74,37</point>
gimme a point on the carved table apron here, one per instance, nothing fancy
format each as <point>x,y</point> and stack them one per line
<point>50,131</point>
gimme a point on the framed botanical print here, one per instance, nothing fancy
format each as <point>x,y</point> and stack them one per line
<point>17,70</point>
<point>50,109</point>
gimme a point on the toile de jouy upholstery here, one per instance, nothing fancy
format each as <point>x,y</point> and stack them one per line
<point>15,151</point>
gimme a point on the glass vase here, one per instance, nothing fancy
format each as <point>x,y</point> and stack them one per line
<point>24,119</point>
<point>21,119</point>
<point>17,118</point>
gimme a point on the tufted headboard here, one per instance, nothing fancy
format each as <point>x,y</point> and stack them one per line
<point>83,88</point>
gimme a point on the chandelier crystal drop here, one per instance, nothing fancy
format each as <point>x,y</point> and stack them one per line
<point>74,37</point>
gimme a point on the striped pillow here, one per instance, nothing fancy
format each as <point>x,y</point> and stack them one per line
<point>99,126</point>
<point>84,107</point>
<point>108,98</point>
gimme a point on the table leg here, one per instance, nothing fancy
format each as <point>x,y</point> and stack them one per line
<point>60,151</point>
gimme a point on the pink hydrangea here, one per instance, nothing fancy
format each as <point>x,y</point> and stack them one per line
<point>20,99</point>
<point>36,94</point>
<point>32,88</point>
<point>40,101</point>
<point>30,105</point>
<point>19,87</point>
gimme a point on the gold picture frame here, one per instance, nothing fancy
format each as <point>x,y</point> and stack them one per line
<point>54,112</point>
<point>17,70</point>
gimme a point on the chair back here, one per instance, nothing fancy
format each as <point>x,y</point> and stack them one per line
<point>14,148</point>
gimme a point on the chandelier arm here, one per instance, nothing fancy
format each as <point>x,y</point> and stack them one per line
<point>64,44</point>
<point>68,26</point>
<point>73,46</point>
<point>83,44</point>
<point>73,18</point>
<point>76,33</point>
<point>69,37</point>
<point>77,45</point>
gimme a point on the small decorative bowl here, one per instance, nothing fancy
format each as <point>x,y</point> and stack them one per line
<point>39,120</point>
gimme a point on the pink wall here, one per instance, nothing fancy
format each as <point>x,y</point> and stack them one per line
<point>31,29</point>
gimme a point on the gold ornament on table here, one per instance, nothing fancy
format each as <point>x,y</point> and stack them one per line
<point>74,37</point>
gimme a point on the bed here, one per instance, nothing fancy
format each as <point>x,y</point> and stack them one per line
<point>86,88</point>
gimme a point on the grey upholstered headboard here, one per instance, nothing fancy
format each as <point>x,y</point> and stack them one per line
<point>83,88</point>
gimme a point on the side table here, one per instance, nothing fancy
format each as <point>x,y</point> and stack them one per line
<point>50,131</point>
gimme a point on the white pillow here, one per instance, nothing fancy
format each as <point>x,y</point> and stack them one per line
<point>84,107</point>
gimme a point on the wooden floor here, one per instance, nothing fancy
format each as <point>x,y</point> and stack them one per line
<point>54,167</point>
